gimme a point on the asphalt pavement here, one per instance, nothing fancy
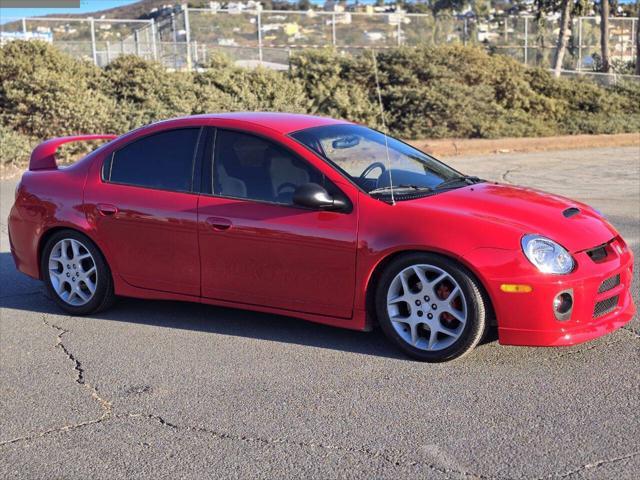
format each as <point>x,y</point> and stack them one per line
<point>155,389</point>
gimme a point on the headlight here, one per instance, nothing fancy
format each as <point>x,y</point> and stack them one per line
<point>546,255</point>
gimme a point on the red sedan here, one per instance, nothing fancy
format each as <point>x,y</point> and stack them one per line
<point>323,220</point>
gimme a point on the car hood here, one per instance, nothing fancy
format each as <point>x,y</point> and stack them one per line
<point>524,210</point>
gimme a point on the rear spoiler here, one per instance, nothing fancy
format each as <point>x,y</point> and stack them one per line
<point>43,156</point>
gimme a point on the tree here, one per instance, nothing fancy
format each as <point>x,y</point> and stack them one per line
<point>563,36</point>
<point>638,45</point>
<point>604,34</point>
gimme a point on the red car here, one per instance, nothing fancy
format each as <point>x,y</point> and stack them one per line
<point>323,220</point>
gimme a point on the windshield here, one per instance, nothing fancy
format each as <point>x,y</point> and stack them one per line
<point>361,154</point>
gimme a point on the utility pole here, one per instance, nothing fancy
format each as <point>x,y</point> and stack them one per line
<point>637,30</point>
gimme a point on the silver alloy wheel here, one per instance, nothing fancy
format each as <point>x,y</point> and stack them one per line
<point>427,307</point>
<point>73,272</point>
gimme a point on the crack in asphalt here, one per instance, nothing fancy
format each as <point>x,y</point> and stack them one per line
<point>391,457</point>
<point>596,464</point>
<point>509,171</point>
<point>64,428</point>
<point>77,367</point>
<point>388,457</point>
<point>80,380</point>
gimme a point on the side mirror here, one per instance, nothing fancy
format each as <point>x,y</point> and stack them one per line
<point>313,195</point>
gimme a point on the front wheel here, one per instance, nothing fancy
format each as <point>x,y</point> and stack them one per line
<point>431,307</point>
<point>75,273</point>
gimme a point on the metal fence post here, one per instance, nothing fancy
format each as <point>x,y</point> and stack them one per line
<point>92,23</point>
<point>108,52</point>
<point>333,28</point>
<point>154,47</point>
<point>259,21</point>
<point>465,30</point>
<point>187,29</point>
<point>24,26</point>
<point>399,32</point>
<point>579,44</point>
<point>136,41</point>
<point>526,40</point>
<point>174,37</point>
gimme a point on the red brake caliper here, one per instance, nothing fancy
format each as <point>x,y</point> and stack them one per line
<point>443,291</point>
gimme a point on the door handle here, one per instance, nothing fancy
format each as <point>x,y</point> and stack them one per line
<point>107,209</point>
<point>218,223</point>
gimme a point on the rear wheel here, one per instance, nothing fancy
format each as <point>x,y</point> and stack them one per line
<point>75,273</point>
<point>431,307</point>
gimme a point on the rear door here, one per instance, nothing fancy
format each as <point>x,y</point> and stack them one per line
<point>145,210</point>
<point>257,247</point>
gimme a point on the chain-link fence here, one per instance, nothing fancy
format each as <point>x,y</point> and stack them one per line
<point>97,40</point>
<point>188,37</point>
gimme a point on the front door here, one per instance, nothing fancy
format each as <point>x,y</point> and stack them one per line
<point>258,248</point>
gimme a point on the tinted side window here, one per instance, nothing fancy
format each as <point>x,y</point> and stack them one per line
<point>163,160</point>
<point>251,167</point>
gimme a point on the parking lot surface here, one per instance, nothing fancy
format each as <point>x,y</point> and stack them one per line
<point>173,390</point>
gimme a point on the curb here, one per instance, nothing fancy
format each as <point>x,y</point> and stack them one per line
<point>481,146</point>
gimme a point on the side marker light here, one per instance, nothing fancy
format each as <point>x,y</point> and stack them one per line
<point>515,288</point>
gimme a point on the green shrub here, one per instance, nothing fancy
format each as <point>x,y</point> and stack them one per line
<point>329,82</point>
<point>226,87</point>
<point>145,92</point>
<point>15,148</point>
<point>45,93</point>
<point>427,92</point>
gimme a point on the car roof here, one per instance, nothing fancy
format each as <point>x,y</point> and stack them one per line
<point>283,123</point>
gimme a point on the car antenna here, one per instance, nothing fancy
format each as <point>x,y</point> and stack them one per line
<point>384,124</point>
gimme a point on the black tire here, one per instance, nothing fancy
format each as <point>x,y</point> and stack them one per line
<point>476,307</point>
<point>103,296</point>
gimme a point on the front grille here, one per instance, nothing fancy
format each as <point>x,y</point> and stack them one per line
<point>609,283</point>
<point>598,253</point>
<point>605,306</point>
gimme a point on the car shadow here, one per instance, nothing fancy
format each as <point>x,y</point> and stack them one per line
<point>22,293</point>
<point>26,294</point>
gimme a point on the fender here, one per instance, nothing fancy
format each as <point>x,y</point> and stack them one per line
<point>43,156</point>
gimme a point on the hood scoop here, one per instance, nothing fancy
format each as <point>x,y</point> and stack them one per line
<point>570,212</point>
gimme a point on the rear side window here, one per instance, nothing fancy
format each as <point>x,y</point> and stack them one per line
<point>163,160</point>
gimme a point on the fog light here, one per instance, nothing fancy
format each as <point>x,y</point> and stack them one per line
<point>563,304</point>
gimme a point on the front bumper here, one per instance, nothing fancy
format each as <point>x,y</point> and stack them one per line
<point>529,319</point>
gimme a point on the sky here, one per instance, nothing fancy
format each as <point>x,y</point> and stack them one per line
<point>86,6</point>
